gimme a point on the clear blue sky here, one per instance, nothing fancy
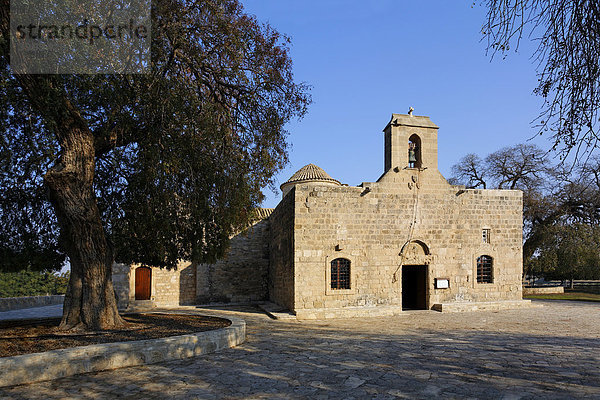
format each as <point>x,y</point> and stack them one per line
<point>368,59</point>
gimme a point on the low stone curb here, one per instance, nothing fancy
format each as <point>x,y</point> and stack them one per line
<point>36,367</point>
<point>543,290</point>
<point>19,303</point>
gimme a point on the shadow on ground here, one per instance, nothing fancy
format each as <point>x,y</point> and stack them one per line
<point>346,360</point>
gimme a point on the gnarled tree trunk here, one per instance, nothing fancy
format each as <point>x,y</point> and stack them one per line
<point>90,302</point>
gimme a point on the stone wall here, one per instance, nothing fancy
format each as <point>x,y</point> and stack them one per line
<point>370,226</point>
<point>169,288</point>
<point>281,252</point>
<point>120,278</point>
<point>18,303</point>
<point>241,276</point>
<point>174,287</point>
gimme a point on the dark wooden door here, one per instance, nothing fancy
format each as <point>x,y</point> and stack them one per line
<point>143,283</point>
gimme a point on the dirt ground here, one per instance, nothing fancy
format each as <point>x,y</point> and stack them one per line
<point>34,336</point>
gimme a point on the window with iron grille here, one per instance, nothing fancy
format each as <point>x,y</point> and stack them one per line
<point>340,273</point>
<point>485,269</point>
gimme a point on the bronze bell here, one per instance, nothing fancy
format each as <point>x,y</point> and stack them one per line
<point>412,158</point>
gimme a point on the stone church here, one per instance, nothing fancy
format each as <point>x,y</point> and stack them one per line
<point>408,241</point>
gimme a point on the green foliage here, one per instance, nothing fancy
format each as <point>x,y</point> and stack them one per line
<point>568,252</point>
<point>32,283</point>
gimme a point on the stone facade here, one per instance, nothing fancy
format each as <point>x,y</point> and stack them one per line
<point>281,254</point>
<point>241,276</point>
<point>168,287</point>
<point>408,240</point>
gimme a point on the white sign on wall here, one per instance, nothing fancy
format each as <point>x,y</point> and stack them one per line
<point>442,283</point>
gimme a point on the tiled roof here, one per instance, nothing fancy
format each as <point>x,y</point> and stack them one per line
<point>262,213</point>
<point>310,173</point>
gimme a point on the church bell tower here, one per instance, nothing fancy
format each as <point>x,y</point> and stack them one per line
<point>410,142</point>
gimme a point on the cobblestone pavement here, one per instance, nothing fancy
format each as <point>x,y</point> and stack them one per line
<point>551,353</point>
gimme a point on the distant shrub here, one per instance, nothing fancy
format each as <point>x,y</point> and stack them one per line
<point>32,283</point>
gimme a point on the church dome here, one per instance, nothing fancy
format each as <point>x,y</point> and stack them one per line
<point>310,173</point>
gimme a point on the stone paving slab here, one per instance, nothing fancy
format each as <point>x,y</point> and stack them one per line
<point>549,352</point>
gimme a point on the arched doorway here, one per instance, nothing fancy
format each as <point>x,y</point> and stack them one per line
<point>416,257</point>
<point>143,283</point>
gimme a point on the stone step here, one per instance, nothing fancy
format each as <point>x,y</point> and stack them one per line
<point>483,306</point>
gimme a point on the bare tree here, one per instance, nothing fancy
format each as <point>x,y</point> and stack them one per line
<point>470,171</point>
<point>568,37</point>
<point>522,166</point>
<point>517,167</point>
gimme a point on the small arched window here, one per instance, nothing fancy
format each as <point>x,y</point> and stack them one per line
<point>414,151</point>
<point>485,269</point>
<point>340,273</point>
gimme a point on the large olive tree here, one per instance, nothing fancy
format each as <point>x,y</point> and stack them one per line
<point>143,168</point>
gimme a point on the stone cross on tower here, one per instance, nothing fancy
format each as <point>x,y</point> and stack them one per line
<point>410,111</point>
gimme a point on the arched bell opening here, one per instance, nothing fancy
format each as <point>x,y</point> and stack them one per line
<point>414,152</point>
